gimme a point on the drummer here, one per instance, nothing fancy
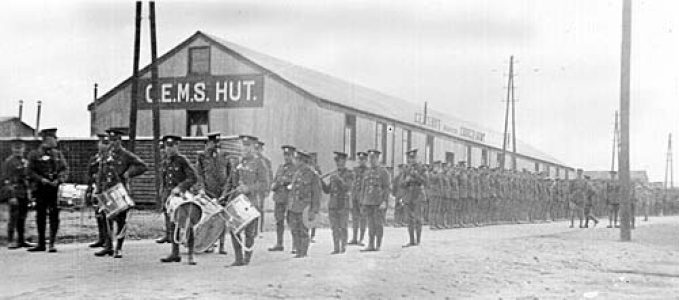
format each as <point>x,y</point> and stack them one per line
<point>178,176</point>
<point>119,166</point>
<point>252,179</point>
<point>93,170</point>
<point>211,168</point>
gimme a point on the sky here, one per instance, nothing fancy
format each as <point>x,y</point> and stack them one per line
<point>453,54</point>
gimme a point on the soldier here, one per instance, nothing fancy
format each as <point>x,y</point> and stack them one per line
<point>15,185</point>
<point>259,147</point>
<point>454,202</point>
<point>463,180</point>
<point>93,171</point>
<point>339,205</point>
<point>178,176</point>
<point>252,179</point>
<point>118,166</point>
<point>612,199</point>
<point>357,219</point>
<point>376,189</point>
<point>314,163</point>
<point>47,168</point>
<point>446,198</point>
<point>281,190</point>
<point>414,180</point>
<point>304,195</point>
<point>161,192</point>
<point>578,190</point>
<point>589,202</point>
<point>398,192</point>
<point>211,169</point>
<point>434,190</point>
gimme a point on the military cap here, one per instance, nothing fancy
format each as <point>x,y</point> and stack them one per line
<point>247,139</point>
<point>340,155</point>
<point>288,149</point>
<point>361,154</point>
<point>171,139</point>
<point>17,141</point>
<point>117,132</point>
<point>302,154</point>
<point>213,136</point>
<point>260,143</point>
<point>374,152</point>
<point>48,132</point>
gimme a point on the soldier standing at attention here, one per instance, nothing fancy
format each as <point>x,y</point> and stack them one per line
<point>590,193</point>
<point>434,190</point>
<point>578,191</point>
<point>119,166</point>
<point>463,180</point>
<point>259,147</point>
<point>453,216</point>
<point>47,168</point>
<point>305,194</point>
<point>252,179</point>
<point>357,219</point>
<point>339,188</point>
<point>414,180</point>
<point>14,179</point>
<point>612,199</point>
<point>280,188</point>
<point>178,176</point>
<point>376,189</point>
<point>398,192</point>
<point>211,168</point>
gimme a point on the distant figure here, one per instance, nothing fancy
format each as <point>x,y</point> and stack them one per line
<point>589,203</point>
<point>613,201</point>
<point>578,193</point>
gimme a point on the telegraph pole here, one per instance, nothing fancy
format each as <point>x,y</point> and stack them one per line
<point>156,98</point>
<point>623,163</point>
<point>513,121</point>
<point>669,170</point>
<point>135,79</point>
<point>510,84</point>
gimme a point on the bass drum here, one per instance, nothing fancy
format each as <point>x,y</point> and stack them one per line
<point>212,223</point>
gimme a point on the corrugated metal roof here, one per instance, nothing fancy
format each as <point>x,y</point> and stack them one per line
<point>348,94</point>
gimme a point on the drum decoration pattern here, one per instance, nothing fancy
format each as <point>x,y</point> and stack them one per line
<point>115,200</point>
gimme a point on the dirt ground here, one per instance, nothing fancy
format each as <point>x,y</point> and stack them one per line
<point>528,261</point>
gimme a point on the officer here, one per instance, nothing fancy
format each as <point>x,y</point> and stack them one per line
<point>414,180</point>
<point>47,168</point>
<point>95,163</point>
<point>259,148</point>
<point>119,166</point>
<point>178,176</point>
<point>338,187</point>
<point>376,189</point>
<point>15,185</point>
<point>357,219</point>
<point>252,180</point>
<point>305,194</point>
<point>281,192</point>
<point>211,169</point>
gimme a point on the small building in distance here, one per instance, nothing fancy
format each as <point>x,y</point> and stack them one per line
<point>14,127</point>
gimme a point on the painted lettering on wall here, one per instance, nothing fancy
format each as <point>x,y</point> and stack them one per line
<point>233,91</point>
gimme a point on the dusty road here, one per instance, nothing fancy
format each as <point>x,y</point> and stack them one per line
<point>533,261</point>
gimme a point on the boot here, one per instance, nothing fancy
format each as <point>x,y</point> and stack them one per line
<point>418,234</point>
<point>248,257</point>
<point>174,256</point>
<point>411,233</point>
<point>371,243</point>
<point>118,253</point>
<point>104,252</point>
<point>336,245</point>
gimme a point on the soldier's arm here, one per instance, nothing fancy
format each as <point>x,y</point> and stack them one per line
<point>315,194</point>
<point>135,166</point>
<point>62,168</point>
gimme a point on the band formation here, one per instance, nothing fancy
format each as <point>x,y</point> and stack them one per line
<point>228,191</point>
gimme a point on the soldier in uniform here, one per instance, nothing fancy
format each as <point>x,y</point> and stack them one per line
<point>463,181</point>
<point>435,195</point>
<point>15,185</point>
<point>613,201</point>
<point>589,202</point>
<point>357,219</point>
<point>252,179</point>
<point>95,163</point>
<point>304,195</point>
<point>178,176</point>
<point>578,192</point>
<point>398,192</point>
<point>259,147</point>
<point>414,180</point>
<point>211,169</point>
<point>281,193</point>
<point>47,168</point>
<point>118,166</point>
<point>339,205</point>
<point>454,201</point>
<point>376,190</point>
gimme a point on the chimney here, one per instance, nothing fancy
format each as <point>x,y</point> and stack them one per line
<point>37,118</point>
<point>21,108</point>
